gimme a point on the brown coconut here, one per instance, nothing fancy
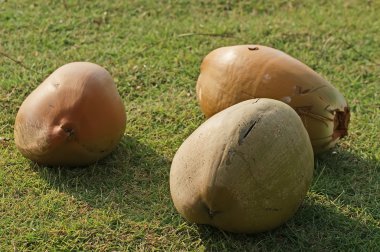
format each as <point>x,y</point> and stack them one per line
<point>74,118</point>
<point>247,169</point>
<point>233,74</point>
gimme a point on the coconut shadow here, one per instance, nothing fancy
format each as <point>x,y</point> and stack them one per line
<point>129,180</point>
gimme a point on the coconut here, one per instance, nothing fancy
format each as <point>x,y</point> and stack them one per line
<point>74,118</point>
<point>247,169</point>
<point>233,74</point>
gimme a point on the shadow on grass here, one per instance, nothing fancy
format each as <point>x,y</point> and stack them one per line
<point>314,228</point>
<point>349,179</point>
<point>341,212</point>
<point>129,180</point>
<point>133,180</point>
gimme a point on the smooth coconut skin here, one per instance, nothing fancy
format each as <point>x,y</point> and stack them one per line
<point>247,169</point>
<point>233,74</point>
<point>74,118</point>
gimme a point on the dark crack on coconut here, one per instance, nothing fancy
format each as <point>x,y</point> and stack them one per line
<point>341,121</point>
<point>68,129</point>
<point>245,133</point>
<point>253,48</point>
<point>210,213</point>
<point>69,132</point>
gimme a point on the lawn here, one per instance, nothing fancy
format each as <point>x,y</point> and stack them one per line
<point>153,50</point>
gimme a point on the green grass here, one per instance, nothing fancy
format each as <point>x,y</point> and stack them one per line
<point>153,49</point>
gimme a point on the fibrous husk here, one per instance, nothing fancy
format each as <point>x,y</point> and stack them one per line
<point>246,169</point>
<point>74,118</point>
<point>233,74</point>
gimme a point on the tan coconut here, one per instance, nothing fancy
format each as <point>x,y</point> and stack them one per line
<point>74,118</point>
<point>233,74</point>
<point>247,169</point>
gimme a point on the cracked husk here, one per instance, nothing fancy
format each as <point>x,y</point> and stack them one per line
<point>233,74</point>
<point>247,169</point>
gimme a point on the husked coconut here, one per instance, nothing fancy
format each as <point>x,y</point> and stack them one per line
<point>74,118</point>
<point>233,74</point>
<point>247,169</point>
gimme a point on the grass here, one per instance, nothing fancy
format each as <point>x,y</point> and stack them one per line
<point>153,50</point>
